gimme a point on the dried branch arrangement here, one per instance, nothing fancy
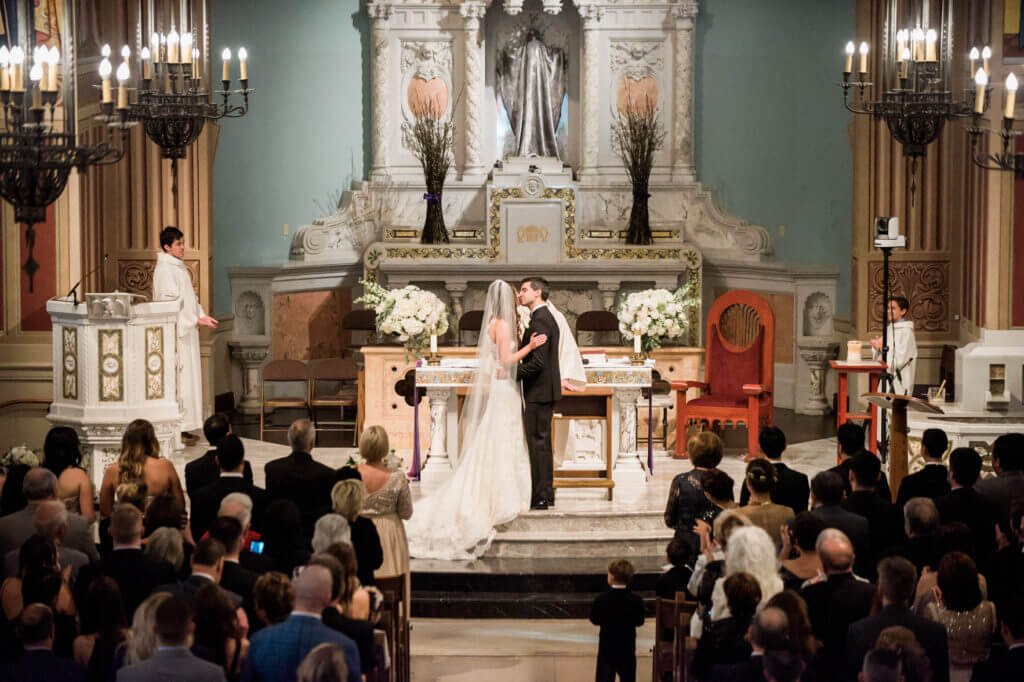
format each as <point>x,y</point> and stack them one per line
<point>433,137</point>
<point>637,133</point>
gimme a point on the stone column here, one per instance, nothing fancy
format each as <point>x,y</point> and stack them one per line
<point>590,78</point>
<point>629,474</point>
<point>438,467</point>
<point>472,12</point>
<point>251,356</point>
<point>456,290</point>
<point>380,12</point>
<point>682,134</point>
<point>810,391</point>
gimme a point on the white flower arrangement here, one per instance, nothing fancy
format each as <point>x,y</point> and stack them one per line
<point>656,314</point>
<point>410,314</point>
<point>19,454</point>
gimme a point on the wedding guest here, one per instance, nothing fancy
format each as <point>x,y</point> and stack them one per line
<point>388,503</point>
<point>206,501</point>
<point>272,599</point>
<point>769,630</point>
<point>618,613</point>
<point>355,599</point>
<point>276,651</point>
<point>710,565</point>
<point>142,644</point>
<point>718,488</point>
<point>897,579</point>
<point>802,534</point>
<point>851,442</point>
<point>347,498</point>
<point>239,507</point>
<point>62,456</point>
<point>165,511</point>
<point>801,634</point>
<point>37,564</point>
<point>329,529</point>
<point>914,661</point>
<point>207,569</point>
<point>166,545</point>
<point>300,478</point>
<point>12,498</point>
<point>826,499</point>
<point>686,499</point>
<point>1008,664</point>
<point>358,630</point>
<point>932,481</point>
<point>783,665</point>
<point>283,542</point>
<point>1008,483</point>
<point>921,526</point>
<point>882,665</point>
<point>44,584</point>
<point>38,662</point>
<point>172,658</point>
<point>863,500</point>
<point>234,577</point>
<point>325,663</point>
<point>724,641</point>
<point>219,637</point>
<point>38,486</point>
<point>792,489</point>
<point>104,628</point>
<point>969,619</point>
<point>759,481</point>
<point>51,522</point>
<point>681,557</point>
<point>967,505</point>
<point>203,470</point>
<point>752,551</point>
<point>139,471</point>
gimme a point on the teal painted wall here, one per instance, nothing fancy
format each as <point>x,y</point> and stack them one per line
<point>771,130</point>
<point>303,138</point>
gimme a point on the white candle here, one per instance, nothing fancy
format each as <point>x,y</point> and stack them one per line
<point>636,340</point>
<point>980,80</point>
<point>973,55</point>
<point>433,344</point>
<point>986,54</point>
<point>863,58</point>
<point>850,49</point>
<point>930,39</point>
<point>1011,96</point>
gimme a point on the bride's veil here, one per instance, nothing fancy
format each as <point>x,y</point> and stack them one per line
<point>491,372</point>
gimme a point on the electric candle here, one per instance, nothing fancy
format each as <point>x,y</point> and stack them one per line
<point>980,80</point>
<point>172,46</point>
<point>863,57</point>
<point>917,41</point>
<point>974,55</point>
<point>104,71</point>
<point>1011,96</point>
<point>122,91</point>
<point>850,49</point>
<point>905,63</point>
<point>5,76</point>
<point>17,69</point>
<point>147,66</point>
<point>986,54</point>
<point>186,48</point>
<point>243,71</point>
<point>930,40</point>
<point>54,63</point>
<point>225,69</point>
<point>35,74</point>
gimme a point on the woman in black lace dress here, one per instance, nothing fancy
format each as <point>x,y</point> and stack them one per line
<point>686,499</point>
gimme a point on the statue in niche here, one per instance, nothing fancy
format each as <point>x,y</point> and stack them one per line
<point>532,80</point>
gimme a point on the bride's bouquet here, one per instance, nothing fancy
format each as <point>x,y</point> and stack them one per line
<point>410,314</point>
<point>655,314</point>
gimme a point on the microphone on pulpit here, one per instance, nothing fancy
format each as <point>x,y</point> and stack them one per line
<point>74,290</point>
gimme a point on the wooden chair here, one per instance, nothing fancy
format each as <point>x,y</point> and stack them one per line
<point>683,646</point>
<point>283,372</point>
<point>395,621</point>
<point>657,398</point>
<point>470,322</point>
<point>739,370</point>
<point>343,373</point>
<point>669,614</point>
<point>361,320</point>
<point>598,322</point>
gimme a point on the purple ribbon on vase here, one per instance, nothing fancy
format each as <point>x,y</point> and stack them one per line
<point>432,198</point>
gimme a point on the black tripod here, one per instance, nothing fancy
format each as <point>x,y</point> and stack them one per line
<point>885,385</point>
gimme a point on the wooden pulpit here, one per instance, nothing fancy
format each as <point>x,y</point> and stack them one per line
<point>899,463</point>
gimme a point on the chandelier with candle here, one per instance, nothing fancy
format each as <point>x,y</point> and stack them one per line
<point>172,103</point>
<point>916,98</point>
<point>1007,158</point>
<point>38,147</point>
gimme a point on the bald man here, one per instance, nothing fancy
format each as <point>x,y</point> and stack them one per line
<point>51,522</point>
<point>39,486</point>
<point>838,600</point>
<point>276,652</point>
<point>769,630</point>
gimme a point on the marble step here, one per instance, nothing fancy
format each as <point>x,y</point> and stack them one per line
<point>430,604</point>
<point>619,543</point>
<point>598,522</point>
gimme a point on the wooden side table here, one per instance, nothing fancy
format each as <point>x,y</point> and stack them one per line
<point>874,371</point>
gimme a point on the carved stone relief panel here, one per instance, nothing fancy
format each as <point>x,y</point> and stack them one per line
<point>136,276</point>
<point>818,313</point>
<point>426,81</point>
<point>635,65</point>
<point>924,283</point>
<point>249,314</point>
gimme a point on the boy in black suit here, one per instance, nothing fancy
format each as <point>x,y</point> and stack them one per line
<point>932,481</point>
<point>618,612</point>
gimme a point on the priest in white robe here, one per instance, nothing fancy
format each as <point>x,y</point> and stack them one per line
<point>902,356</point>
<point>171,282</point>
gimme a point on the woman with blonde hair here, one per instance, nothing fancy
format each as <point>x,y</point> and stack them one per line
<point>324,663</point>
<point>142,644</point>
<point>140,473</point>
<point>347,498</point>
<point>388,503</point>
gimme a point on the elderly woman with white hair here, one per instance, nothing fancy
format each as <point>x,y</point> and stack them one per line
<point>750,550</point>
<point>329,529</point>
<point>347,498</point>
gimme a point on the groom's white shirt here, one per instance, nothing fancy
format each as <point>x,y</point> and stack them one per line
<point>570,364</point>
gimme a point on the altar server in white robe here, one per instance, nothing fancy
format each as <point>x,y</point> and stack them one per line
<point>171,281</point>
<point>902,357</point>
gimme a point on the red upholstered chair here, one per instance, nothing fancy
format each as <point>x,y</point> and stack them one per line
<point>739,376</point>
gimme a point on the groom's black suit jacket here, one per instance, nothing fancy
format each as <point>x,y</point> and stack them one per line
<point>542,382</point>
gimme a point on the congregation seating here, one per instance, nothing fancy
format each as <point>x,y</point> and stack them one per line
<point>669,659</point>
<point>283,376</point>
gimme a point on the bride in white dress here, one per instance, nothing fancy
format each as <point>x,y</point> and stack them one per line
<point>491,481</point>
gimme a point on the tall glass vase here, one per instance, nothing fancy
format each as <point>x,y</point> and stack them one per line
<point>434,231</point>
<point>639,231</point>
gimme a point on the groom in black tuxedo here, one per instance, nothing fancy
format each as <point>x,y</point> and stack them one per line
<point>542,388</point>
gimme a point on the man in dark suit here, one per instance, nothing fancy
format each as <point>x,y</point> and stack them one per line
<point>921,526</point>
<point>38,662</point>
<point>172,659</point>
<point>618,612</point>
<point>1008,483</point>
<point>826,498</point>
<point>1008,665</point>
<point>135,573</point>
<point>967,505</point>
<point>230,458</point>
<point>897,581</point>
<point>275,652</point>
<point>239,507</point>
<point>768,631</point>
<point>234,577</point>
<point>791,488</point>
<point>40,485</point>
<point>933,480</point>
<point>838,601</point>
<point>885,526</point>
<point>51,523</point>
<point>203,470</point>
<point>542,388</point>
<point>207,569</point>
<point>300,478</point>
<point>851,442</point>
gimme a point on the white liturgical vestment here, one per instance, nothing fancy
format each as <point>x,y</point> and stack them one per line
<point>172,282</point>
<point>902,360</point>
<point>570,364</point>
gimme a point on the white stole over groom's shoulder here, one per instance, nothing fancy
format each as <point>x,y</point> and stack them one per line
<point>570,363</point>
